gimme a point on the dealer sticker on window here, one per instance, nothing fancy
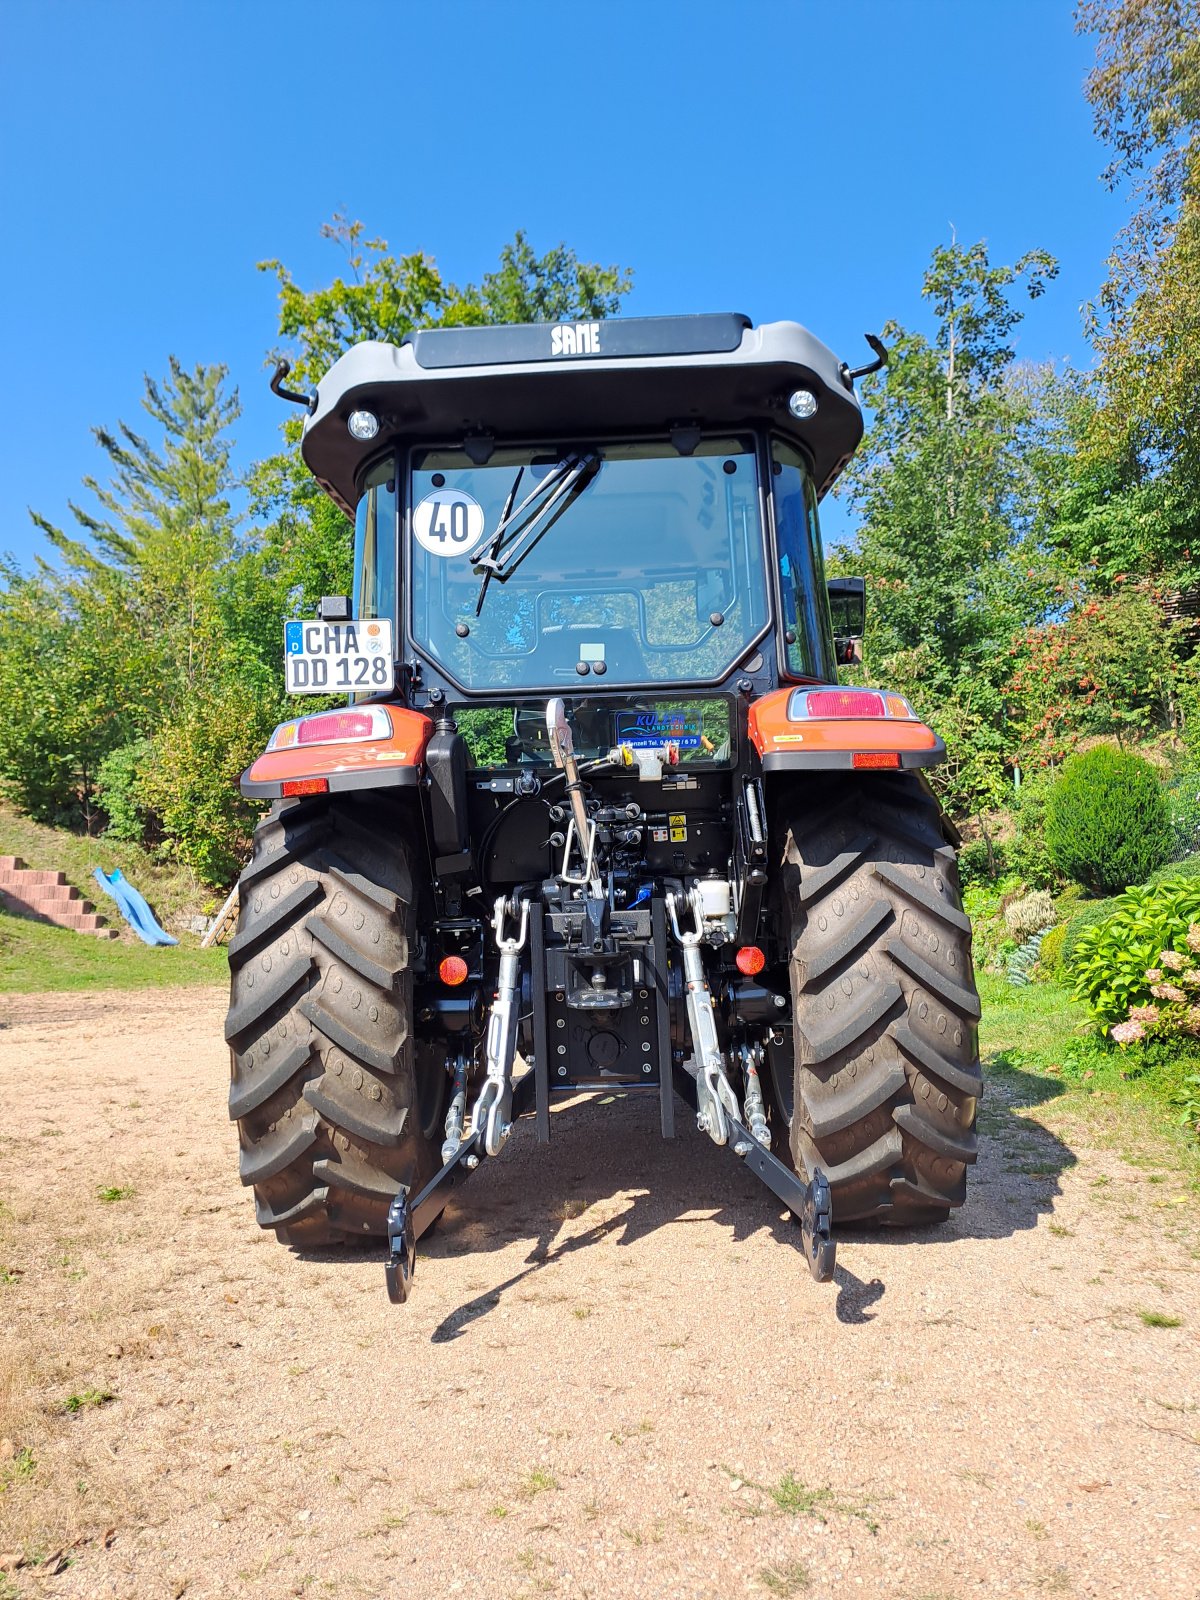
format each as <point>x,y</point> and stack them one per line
<point>339,657</point>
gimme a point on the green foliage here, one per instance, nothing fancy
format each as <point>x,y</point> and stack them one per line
<point>1111,665</point>
<point>117,791</point>
<point>1118,966</point>
<point>1027,853</point>
<point>1145,95</point>
<point>1050,956</point>
<point>1090,915</point>
<point>1107,823</point>
<point>387,296</point>
<point>191,778</point>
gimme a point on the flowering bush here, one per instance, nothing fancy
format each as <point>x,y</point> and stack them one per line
<point>1139,970</point>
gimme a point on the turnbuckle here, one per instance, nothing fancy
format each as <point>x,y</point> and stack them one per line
<point>493,1107</point>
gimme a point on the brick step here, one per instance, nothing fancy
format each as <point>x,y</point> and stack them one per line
<point>50,901</point>
<point>49,894</point>
<point>30,875</point>
<point>12,864</point>
<point>82,917</point>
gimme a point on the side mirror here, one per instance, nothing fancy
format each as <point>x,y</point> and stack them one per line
<point>848,609</point>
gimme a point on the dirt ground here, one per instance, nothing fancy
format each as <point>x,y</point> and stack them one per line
<point>615,1376</point>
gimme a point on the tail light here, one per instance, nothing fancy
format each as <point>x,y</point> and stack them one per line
<point>817,704</point>
<point>452,970</point>
<point>750,960</point>
<point>298,786</point>
<point>333,727</point>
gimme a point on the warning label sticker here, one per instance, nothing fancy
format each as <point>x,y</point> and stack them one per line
<point>678,821</point>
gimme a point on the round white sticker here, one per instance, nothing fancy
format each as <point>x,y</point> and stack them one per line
<point>448,522</point>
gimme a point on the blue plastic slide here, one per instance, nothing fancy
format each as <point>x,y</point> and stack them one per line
<point>133,908</point>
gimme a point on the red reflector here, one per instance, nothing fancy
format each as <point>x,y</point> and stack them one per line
<point>452,970</point>
<point>875,758</point>
<point>844,703</point>
<point>305,786</point>
<point>750,960</point>
<point>336,725</point>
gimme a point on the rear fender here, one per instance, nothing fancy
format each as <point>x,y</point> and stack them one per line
<point>394,760</point>
<point>883,743</point>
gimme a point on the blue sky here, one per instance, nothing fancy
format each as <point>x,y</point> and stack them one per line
<point>786,158</point>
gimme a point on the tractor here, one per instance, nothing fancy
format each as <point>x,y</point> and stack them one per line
<point>586,807</point>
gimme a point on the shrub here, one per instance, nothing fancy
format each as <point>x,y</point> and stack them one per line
<point>191,778</point>
<point>1183,798</point>
<point>1107,820</point>
<point>1090,915</point>
<point>1188,868</point>
<point>1031,914</point>
<point>1138,969</point>
<point>1050,957</point>
<point>1028,854</point>
<point>117,790</point>
<point>976,866</point>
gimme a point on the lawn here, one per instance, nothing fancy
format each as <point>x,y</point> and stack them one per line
<point>1037,1049</point>
<point>35,956</point>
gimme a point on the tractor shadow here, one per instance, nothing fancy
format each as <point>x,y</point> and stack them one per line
<point>602,1148</point>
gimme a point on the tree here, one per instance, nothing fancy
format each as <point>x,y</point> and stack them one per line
<point>165,522</point>
<point>941,486</point>
<point>387,296</point>
<point>1145,96</point>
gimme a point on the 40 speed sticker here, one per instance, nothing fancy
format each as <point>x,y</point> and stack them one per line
<point>448,522</point>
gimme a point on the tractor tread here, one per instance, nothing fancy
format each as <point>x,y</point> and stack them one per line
<point>844,944</point>
<point>842,1109</point>
<point>383,975</point>
<point>256,1091</point>
<point>933,1064</point>
<point>280,914</point>
<point>283,1145</point>
<point>378,1056</point>
<point>820,1047</point>
<point>249,1013</point>
<point>336,1106</point>
<point>349,1110</point>
<point>964,1148</point>
<point>885,1072</point>
<point>964,1002</point>
<point>928,899</point>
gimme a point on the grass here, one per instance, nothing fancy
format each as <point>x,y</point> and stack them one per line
<point>537,1482</point>
<point>1033,1040</point>
<point>110,1193</point>
<point>785,1580</point>
<point>1160,1319</point>
<point>88,1400</point>
<point>36,958</point>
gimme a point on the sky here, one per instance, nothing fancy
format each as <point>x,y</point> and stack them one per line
<point>787,158</point>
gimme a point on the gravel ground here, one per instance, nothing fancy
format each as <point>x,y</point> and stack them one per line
<point>615,1376</point>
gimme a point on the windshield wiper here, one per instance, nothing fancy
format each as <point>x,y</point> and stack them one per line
<point>500,552</point>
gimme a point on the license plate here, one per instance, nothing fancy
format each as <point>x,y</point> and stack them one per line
<point>339,657</point>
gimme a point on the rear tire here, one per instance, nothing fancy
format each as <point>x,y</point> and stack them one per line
<point>885,1071</point>
<point>336,1104</point>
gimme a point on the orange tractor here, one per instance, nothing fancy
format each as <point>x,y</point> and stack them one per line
<point>596,813</point>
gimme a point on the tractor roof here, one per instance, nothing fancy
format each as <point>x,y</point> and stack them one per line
<point>560,380</point>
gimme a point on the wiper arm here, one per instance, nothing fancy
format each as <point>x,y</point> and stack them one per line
<point>500,552</point>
